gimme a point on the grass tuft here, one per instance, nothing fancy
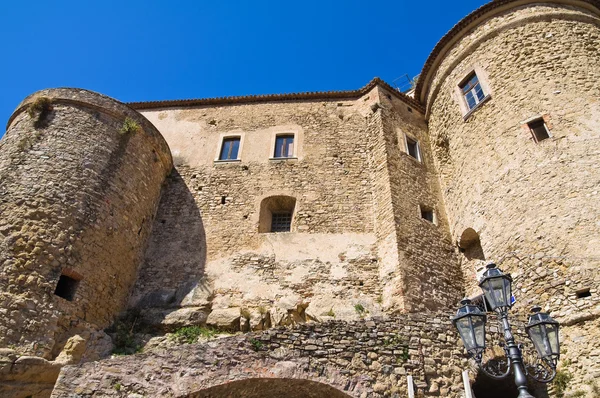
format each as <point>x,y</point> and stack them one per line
<point>130,126</point>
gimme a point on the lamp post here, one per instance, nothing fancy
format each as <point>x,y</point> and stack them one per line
<point>542,330</point>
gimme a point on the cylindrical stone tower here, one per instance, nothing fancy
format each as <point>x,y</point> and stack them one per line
<point>80,180</point>
<point>513,107</point>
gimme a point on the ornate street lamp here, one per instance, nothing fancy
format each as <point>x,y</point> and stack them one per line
<point>542,330</point>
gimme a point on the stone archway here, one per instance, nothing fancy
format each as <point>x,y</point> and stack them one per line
<point>268,387</point>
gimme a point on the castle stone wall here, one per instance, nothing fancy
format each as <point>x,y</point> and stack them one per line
<point>77,199</point>
<point>207,254</point>
<point>427,273</point>
<point>534,205</point>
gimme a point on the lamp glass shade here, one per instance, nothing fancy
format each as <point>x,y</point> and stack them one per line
<point>479,330</point>
<point>497,288</point>
<point>552,331</point>
<point>470,322</point>
<point>466,333</point>
<point>543,332</point>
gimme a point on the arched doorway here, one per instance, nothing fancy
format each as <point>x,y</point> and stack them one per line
<point>486,387</point>
<point>272,388</point>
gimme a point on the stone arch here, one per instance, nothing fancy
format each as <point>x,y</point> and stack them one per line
<point>470,245</point>
<point>276,205</point>
<point>271,387</point>
<point>472,260</point>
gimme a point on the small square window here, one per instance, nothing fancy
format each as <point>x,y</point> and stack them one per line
<point>66,287</point>
<point>284,146</point>
<point>472,91</point>
<point>412,148</point>
<point>538,129</point>
<point>583,293</point>
<point>230,148</point>
<point>427,214</point>
<point>281,222</point>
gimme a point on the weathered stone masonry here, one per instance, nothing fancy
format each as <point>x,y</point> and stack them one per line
<point>86,202</point>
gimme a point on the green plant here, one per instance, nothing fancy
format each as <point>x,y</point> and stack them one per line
<point>256,344</point>
<point>130,126</point>
<point>117,386</point>
<point>578,394</point>
<point>380,299</point>
<point>560,382</point>
<point>360,309</point>
<point>331,313</point>
<point>124,337</point>
<point>39,109</point>
<point>394,340</point>
<point>190,334</point>
<point>262,310</point>
<point>405,356</point>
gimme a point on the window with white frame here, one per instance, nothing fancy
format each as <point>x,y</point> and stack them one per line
<point>472,91</point>
<point>284,146</point>
<point>413,148</point>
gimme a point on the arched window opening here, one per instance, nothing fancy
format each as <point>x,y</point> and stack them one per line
<point>276,214</point>
<point>470,245</point>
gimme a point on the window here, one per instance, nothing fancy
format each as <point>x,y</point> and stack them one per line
<point>538,129</point>
<point>284,146</point>
<point>230,148</point>
<point>276,214</point>
<point>472,91</point>
<point>427,213</point>
<point>583,293</point>
<point>412,148</point>
<point>66,287</point>
<point>281,222</point>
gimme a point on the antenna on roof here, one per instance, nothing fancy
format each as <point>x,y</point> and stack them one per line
<point>404,83</point>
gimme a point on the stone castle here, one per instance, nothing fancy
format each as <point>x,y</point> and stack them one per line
<point>332,233</point>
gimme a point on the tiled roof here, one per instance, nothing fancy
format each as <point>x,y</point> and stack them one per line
<point>457,29</point>
<point>277,97</point>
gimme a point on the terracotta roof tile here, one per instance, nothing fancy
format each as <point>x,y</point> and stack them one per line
<point>313,95</point>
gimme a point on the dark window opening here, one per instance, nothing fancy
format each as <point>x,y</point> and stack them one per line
<point>284,146</point>
<point>66,287</point>
<point>472,91</point>
<point>281,222</point>
<point>412,147</point>
<point>538,129</point>
<point>583,293</point>
<point>427,214</point>
<point>230,148</point>
<point>223,199</point>
<point>470,245</point>
<point>276,214</point>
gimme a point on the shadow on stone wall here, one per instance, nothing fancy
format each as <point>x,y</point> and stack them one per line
<point>171,290</point>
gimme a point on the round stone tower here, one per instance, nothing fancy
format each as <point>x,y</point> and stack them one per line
<point>513,107</point>
<point>81,177</point>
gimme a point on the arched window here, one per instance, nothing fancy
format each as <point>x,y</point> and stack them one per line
<point>276,214</point>
<point>470,245</point>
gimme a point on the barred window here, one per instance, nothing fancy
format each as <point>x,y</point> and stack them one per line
<point>281,222</point>
<point>276,214</point>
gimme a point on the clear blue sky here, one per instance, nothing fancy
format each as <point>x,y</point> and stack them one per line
<point>152,50</point>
